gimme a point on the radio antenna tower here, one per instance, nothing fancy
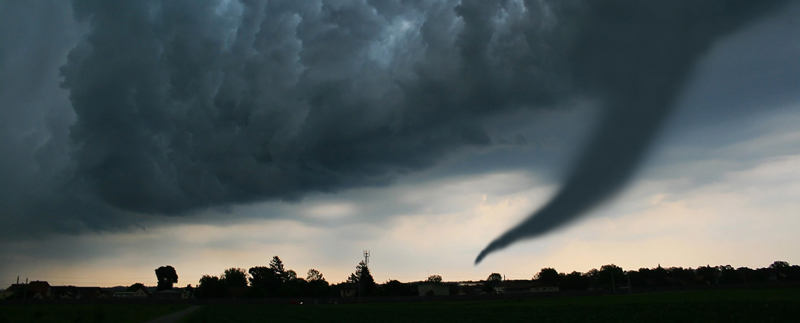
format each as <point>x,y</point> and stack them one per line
<point>366,257</point>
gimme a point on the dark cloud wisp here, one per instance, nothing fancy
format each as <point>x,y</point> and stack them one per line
<point>637,56</point>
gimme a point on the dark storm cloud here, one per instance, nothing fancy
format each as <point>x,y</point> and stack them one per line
<point>184,105</point>
<point>35,116</point>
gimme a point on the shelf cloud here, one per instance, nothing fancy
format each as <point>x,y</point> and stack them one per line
<point>175,107</point>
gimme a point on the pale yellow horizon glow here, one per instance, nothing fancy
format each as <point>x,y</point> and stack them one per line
<point>747,218</point>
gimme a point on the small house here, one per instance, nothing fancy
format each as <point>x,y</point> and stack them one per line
<point>38,290</point>
<point>141,293</point>
<point>64,292</point>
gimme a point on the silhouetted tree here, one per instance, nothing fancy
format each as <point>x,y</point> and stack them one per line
<point>434,279</point>
<point>491,282</point>
<point>263,282</point>
<point>610,276</point>
<point>707,274</point>
<point>355,277</point>
<point>746,274</point>
<point>362,279</point>
<point>592,277</point>
<point>763,275</point>
<point>636,278</point>
<point>778,265</point>
<point>673,276</point>
<point>235,277</point>
<point>212,287</point>
<point>548,276</point>
<point>262,276</point>
<point>277,267</point>
<point>367,282</point>
<point>659,276</point>
<point>294,286</point>
<point>781,269</point>
<point>278,281</point>
<point>728,275</point>
<point>574,281</point>
<point>166,277</point>
<point>317,286</point>
<point>269,281</point>
<point>314,275</point>
<point>297,287</point>
<point>793,272</point>
<point>290,275</point>
<point>678,276</point>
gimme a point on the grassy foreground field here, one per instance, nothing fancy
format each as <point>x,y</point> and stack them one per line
<point>762,305</point>
<point>84,313</point>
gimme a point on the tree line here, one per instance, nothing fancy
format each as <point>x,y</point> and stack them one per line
<point>276,280</point>
<point>612,276</point>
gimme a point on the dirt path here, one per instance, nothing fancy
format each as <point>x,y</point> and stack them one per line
<point>174,317</point>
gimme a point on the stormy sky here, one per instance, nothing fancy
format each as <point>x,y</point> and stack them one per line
<point>175,131</point>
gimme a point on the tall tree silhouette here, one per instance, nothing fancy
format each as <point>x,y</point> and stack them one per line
<point>610,276</point>
<point>277,267</point>
<point>548,276</point>
<point>263,281</point>
<point>363,280</point>
<point>317,286</point>
<point>313,275</point>
<point>574,281</point>
<point>212,287</point>
<point>491,282</point>
<point>166,277</point>
<point>235,277</point>
<point>434,279</point>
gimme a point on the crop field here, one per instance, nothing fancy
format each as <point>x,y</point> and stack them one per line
<point>84,313</point>
<point>760,305</point>
<point>756,305</point>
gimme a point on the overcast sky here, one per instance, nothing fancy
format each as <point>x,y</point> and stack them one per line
<point>568,134</point>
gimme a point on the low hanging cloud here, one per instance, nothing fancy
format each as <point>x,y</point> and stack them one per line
<point>180,106</point>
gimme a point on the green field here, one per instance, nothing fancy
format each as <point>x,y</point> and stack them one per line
<point>84,313</point>
<point>764,305</point>
<point>758,305</point>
